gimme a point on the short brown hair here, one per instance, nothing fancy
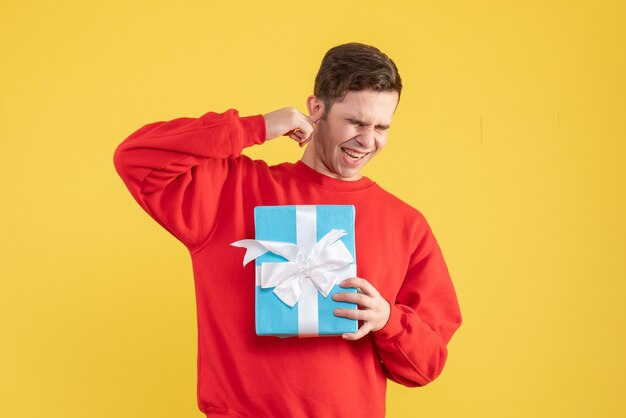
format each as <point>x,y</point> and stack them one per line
<point>354,67</point>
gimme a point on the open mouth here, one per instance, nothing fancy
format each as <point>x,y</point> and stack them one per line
<point>352,154</point>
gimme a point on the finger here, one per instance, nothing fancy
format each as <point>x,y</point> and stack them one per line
<point>359,283</point>
<point>306,140</point>
<point>300,134</point>
<point>360,333</point>
<point>358,314</point>
<point>360,299</point>
<point>296,134</point>
<point>307,124</point>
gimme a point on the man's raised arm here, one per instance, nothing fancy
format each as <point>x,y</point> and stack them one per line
<point>176,169</point>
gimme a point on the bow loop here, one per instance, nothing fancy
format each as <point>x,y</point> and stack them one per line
<point>327,258</point>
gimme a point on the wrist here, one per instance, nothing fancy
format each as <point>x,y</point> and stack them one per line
<point>393,328</point>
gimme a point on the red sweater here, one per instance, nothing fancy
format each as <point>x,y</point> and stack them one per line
<point>190,176</point>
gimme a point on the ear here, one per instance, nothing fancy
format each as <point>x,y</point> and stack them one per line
<point>315,107</point>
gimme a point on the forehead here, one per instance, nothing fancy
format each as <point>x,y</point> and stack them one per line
<point>367,105</point>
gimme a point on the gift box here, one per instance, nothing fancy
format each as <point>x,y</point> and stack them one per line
<point>302,253</point>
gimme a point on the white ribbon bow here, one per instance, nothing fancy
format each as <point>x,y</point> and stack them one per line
<point>321,266</point>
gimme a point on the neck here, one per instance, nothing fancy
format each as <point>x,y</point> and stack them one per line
<point>308,156</point>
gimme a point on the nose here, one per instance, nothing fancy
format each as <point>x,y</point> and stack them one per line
<point>366,139</point>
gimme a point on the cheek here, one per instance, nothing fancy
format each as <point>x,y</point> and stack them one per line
<point>345,134</point>
<point>380,142</point>
<point>336,139</point>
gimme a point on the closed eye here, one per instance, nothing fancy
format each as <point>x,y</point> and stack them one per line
<point>362,124</point>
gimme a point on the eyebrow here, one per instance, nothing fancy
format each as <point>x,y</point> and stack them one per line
<point>360,122</point>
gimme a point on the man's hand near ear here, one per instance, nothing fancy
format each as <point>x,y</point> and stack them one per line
<point>290,122</point>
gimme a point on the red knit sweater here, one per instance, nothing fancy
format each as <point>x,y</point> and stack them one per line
<point>189,175</point>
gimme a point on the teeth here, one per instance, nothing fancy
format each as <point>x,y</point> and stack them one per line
<point>352,154</point>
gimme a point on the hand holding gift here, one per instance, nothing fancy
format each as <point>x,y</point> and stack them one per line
<point>374,312</point>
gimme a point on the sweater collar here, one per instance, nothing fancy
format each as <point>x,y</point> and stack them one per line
<point>326,182</point>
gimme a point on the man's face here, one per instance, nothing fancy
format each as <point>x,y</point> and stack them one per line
<point>354,131</point>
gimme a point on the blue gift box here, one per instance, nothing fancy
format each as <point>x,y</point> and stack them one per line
<point>305,226</point>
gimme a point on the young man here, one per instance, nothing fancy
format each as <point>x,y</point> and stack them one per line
<point>190,176</point>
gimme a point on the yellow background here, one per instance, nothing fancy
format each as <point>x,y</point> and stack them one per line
<point>510,138</point>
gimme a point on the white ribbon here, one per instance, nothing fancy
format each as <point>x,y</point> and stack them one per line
<point>322,266</point>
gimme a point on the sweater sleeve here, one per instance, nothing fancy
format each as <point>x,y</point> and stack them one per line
<point>425,315</point>
<point>176,169</point>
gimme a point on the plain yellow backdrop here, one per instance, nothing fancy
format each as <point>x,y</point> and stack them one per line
<point>510,137</point>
